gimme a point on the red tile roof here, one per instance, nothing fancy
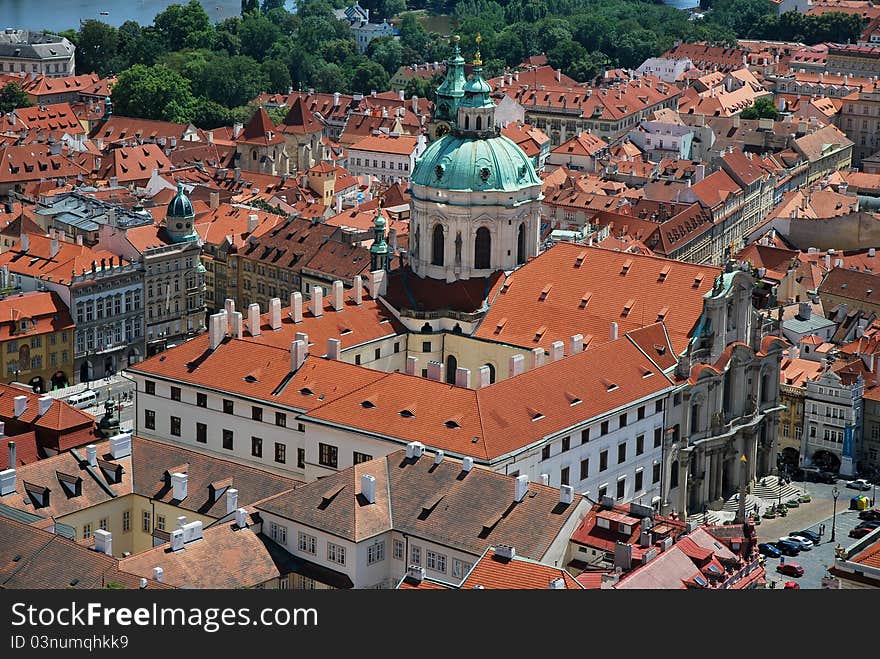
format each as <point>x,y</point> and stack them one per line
<point>134,163</point>
<point>34,162</point>
<point>494,572</point>
<point>38,261</point>
<point>299,119</point>
<point>259,129</point>
<point>45,309</point>
<point>401,145</point>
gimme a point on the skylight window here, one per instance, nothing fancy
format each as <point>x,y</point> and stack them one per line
<point>407,414</point>
<point>452,424</point>
<point>368,404</point>
<point>305,391</point>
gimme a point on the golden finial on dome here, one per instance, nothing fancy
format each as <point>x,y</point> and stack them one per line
<point>478,61</point>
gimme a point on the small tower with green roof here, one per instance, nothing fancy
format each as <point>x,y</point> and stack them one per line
<point>380,253</point>
<point>180,218</point>
<point>449,93</point>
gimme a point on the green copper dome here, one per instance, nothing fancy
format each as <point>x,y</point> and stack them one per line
<point>180,206</point>
<point>462,162</point>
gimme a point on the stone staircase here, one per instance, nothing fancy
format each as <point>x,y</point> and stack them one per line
<point>771,489</point>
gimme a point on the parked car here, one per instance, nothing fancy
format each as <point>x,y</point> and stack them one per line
<point>803,543</point>
<point>870,515</point>
<point>869,525</point>
<point>861,531</point>
<point>791,569</point>
<point>769,550</point>
<point>859,484</point>
<point>791,585</point>
<point>812,536</point>
<point>788,548</point>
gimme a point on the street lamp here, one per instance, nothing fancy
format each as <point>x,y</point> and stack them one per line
<point>834,494</point>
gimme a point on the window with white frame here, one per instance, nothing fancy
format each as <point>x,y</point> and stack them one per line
<point>376,553</point>
<point>398,550</point>
<point>278,533</point>
<point>415,555</point>
<point>435,561</point>
<point>335,553</point>
<point>308,543</point>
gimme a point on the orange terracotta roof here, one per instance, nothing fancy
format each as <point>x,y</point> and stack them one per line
<point>261,130</point>
<point>492,571</point>
<point>402,145</point>
<point>47,312</point>
<point>134,163</point>
<point>600,272</point>
<point>299,119</point>
<point>70,259</point>
<point>583,144</point>
<point>34,162</point>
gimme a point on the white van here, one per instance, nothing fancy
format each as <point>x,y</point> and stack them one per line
<point>84,399</point>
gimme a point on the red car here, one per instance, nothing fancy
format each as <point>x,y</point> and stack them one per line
<point>791,569</point>
<point>791,585</point>
<point>861,531</point>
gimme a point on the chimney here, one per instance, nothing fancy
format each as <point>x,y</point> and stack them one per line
<point>317,301</point>
<point>614,331</point>
<point>557,584</point>
<point>378,283</point>
<point>158,574</point>
<point>537,357</point>
<point>484,377</point>
<point>103,541</point>
<point>214,200</point>
<point>545,479</point>
<point>92,455</point>
<point>576,344</point>
<point>210,136</point>
<point>236,130</point>
<point>566,494</point>
<point>79,239</point>
<point>12,455</point>
<point>7,482</point>
<point>467,463</point>
<point>415,450</point>
<point>368,488</point>
<point>623,555</point>
<point>435,370</point>
<point>215,330</point>
<point>412,364</point>
<point>177,541</point>
<point>516,365</point>
<point>25,242</point>
<point>463,377</point>
<point>520,487</point>
<point>44,403</point>
<point>296,307</point>
<point>804,310</point>
<point>415,573</point>
<point>505,551</point>
<point>240,518</point>
<point>556,351</point>
<point>828,262</point>
<point>54,247</point>
<point>143,582</point>
<point>297,355</point>
<point>402,96</point>
<point>415,104</point>
<point>608,581</point>
<point>275,313</point>
<point>254,319</point>
<point>178,486</point>
<point>336,300</point>
<point>333,348</point>
<point>231,499</point>
<point>302,336</point>
<point>237,329</point>
<point>120,445</point>
<point>253,221</point>
<point>358,290</point>
<point>335,99</point>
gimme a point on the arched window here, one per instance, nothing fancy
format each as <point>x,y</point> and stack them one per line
<point>491,373</point>
<point>451,365</point>
<point>521,244</point>
<point>695,417</point>
<point>437,246</point>
<point>673,476</point>
<point>479,123</point>
<point>482,248</point>
<point>467,122</point>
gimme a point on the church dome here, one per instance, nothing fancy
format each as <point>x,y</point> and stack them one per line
<point>179,220</point>
<point>460,162</point>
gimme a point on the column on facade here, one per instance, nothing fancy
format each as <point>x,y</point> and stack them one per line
<point>718,468</point>
<point>705,461</point>
<point>684,458</point>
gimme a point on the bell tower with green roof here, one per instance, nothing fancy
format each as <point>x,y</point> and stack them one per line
<point>380,252</point>
<point>449,94</point>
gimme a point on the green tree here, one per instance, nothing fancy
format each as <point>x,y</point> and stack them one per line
<point>386,51</point>
<point>330,78</point>
<point>338,51</point>
<point>277,76</point>
<point>153,92</point>
<point>412,33</point>
<point>209,114</point>
<point>185,26</point>
<point>368,77</point>
<point>762,108</point>
<point>12,96</point>
<point>392,8</point>
<point>249,6</point>
<point>269,5</point>
<point>96,46</point>
<point>230,81</point>
<point>257,34</point>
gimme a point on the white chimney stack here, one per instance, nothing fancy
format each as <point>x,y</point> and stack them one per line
<point>181,521</point>
<point>435,370</point>
<point>358,290</point>
<point>505,551</point>
<point>19,405</point>
<point>484,377</point>
<point>296,307</point>
<point>192,531</point>
<point>557,349</point>
<point>297,355</point>
<point>237,325</point>
<point>253,221</point>
<point>25,242</point>
<point>54,247</point>
<point>557,584</point>
<point>467,464</point>
<point>614,331</point>
<point>178,486</point>
<point>254,319</point>
<point>412,364</point>
<point>158,574</point>
<point>44,403</point>
<point>302,336</point>
<point>463,377</point>
<point>520,487</point>
<point>378,283</point>
<point>576,344</point>
<point>368,488</point>
<point>7,482</point>
<point>415,450</point>
<point>92,455</point>
<point>566,494</point>
<point>143,582</point>
<point>337,300</point>
<point>275,313</point>
<point>317,301</point>
<point>241,518</point>
<point>333,348</point>
<point>537,357</point>
<point>13,458</point>
<point>103,541</point>
<point>516,365</point>
<point>229,307</point>
<point>231,500</point>
<point>120,445</point>
<point>438,457</point>
<point>215,330</point>
<point>177,540</point>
